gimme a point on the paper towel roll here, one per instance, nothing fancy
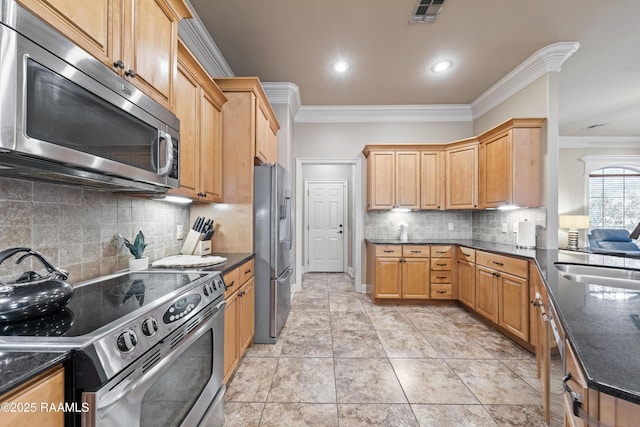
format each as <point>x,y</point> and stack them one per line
<point>526,234</point>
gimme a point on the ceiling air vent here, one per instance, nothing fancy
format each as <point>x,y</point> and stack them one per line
<point>426,11</point>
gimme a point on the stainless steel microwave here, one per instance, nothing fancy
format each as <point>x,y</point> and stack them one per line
<point>67,118</point>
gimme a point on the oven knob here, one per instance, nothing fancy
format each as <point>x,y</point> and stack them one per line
<point>149,326</point>
<point>127,341</point>
<point>208,289</point>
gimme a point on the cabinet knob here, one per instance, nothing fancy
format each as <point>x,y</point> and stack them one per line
<point>130,73</point>
<point>119,64</point>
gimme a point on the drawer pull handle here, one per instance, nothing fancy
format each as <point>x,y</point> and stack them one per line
<point>441,277</point>
<point>467,255</point>
<point>441,292</point>
<point>248,271</point>
<point>416,252</point>
<point>388,251</point>
<point>575,397</point>
<point>441,264</point>
<point>498,263</point>
<point>233,282</point>
<point>441,252</point>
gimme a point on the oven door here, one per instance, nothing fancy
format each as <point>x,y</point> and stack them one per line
<point>177,383</point>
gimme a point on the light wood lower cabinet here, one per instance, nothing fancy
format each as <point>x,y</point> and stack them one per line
<point>399,271</point>
<point>502,292</point>
<point>47,388</point>
<point>466,279</point>
<point>239,315</point>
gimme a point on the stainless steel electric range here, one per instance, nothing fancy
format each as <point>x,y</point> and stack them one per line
<point>146,348</point>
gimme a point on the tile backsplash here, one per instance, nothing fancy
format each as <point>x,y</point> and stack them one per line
<point>77,229</point>
<point>421,224</point>
<point>478,225</point>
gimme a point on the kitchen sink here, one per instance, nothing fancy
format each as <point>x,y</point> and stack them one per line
<point>601,275</point>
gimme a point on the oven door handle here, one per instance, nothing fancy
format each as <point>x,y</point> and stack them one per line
<point>147,379</point>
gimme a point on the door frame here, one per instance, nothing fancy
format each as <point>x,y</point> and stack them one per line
<point>346,229</point>
<point>356,206</point>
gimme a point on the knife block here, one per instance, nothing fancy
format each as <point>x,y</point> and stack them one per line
<point>203,248</point>
<point>191,242</point>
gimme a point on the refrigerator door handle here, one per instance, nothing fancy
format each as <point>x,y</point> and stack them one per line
<point>287,217</point>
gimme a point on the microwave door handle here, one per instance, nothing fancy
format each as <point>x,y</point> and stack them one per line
<point>164,170</point>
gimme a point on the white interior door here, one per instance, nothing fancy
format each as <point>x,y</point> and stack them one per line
<point>326,226</point>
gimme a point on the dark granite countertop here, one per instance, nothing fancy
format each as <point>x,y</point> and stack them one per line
<point>602,323</point>
<point>18,367</point>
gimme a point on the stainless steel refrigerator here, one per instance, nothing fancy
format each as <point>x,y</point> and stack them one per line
<point>273,237</point>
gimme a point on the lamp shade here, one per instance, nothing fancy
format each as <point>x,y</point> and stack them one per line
<point>573,221</point>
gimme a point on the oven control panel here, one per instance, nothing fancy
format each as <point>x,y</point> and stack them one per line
<point>181,307</point>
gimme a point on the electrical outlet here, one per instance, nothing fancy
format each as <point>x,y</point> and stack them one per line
<point>505,228</point>
<point>179,232</point>
<point>450,226</point>
<point>515,227</point>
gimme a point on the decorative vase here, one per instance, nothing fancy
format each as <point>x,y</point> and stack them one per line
<point>137,264</point>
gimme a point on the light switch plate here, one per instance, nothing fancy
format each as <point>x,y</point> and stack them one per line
<point>505,227</point>
<point>179,232</point>
<point>450,226</point>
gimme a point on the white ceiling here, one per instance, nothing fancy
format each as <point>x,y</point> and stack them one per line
<point>297,41</point>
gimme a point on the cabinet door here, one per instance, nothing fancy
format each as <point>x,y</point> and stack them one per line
<point>496,172</point>
<point>431,180</point>
<point>273,145</point>
<point>262,135</point>
<point>487,293</point>
<point>47,388</point>
<point>467,283</point>
<point>388,278</point>
<point>231,354</point>
<point>462,177</point>
<point>415,278</point>
<point>87,23</point>
<point>186,109</point>
<point>210,149</point>
<point>381,171</point>
<point>246,325</point>
<point>513,301</point>
<point>407,189</point>
<point>150,45</point>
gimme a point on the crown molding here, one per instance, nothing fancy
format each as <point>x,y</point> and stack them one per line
<point>383,113</point>
<point>599,142</point>
<point>283,93</point>
<point>195,36</point>
<point>547,59</point>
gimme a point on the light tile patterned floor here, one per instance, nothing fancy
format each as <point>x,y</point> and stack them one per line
<point>342,361</point>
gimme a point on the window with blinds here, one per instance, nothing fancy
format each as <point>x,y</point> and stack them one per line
<point>614,198</point>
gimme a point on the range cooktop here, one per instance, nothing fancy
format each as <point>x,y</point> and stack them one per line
<point>101,302</point>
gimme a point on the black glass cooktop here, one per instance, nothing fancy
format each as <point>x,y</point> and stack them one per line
<point>98,304</point>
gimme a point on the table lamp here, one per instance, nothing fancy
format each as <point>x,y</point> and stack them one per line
<point>573,223</point>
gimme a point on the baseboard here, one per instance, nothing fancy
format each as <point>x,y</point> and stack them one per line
<point>295,287</point>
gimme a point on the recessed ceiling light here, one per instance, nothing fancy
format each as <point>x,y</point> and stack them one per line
<point>340,66</point>
<point>441,66</point>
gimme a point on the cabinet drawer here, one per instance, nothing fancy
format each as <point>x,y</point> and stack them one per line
<point>415,251</point>
<point>515,266</point>
<point>441,251</point>
<point>441,291</point>
<point>246,271</point>
<point>440,277</point>
<point>440,264</point>
<point>232,280</point>
<point>388,250</point>
<point>467,254</point>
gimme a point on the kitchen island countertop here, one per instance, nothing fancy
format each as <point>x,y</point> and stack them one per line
<point>601,322</point>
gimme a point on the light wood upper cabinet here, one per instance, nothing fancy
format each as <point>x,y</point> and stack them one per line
<point>393,179</point>
<point>510,168</point>
<point>260,121</point>
<point>136,39</point>
<point>198,105</point>
<point>431,182</point>
<point>462,176</point>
